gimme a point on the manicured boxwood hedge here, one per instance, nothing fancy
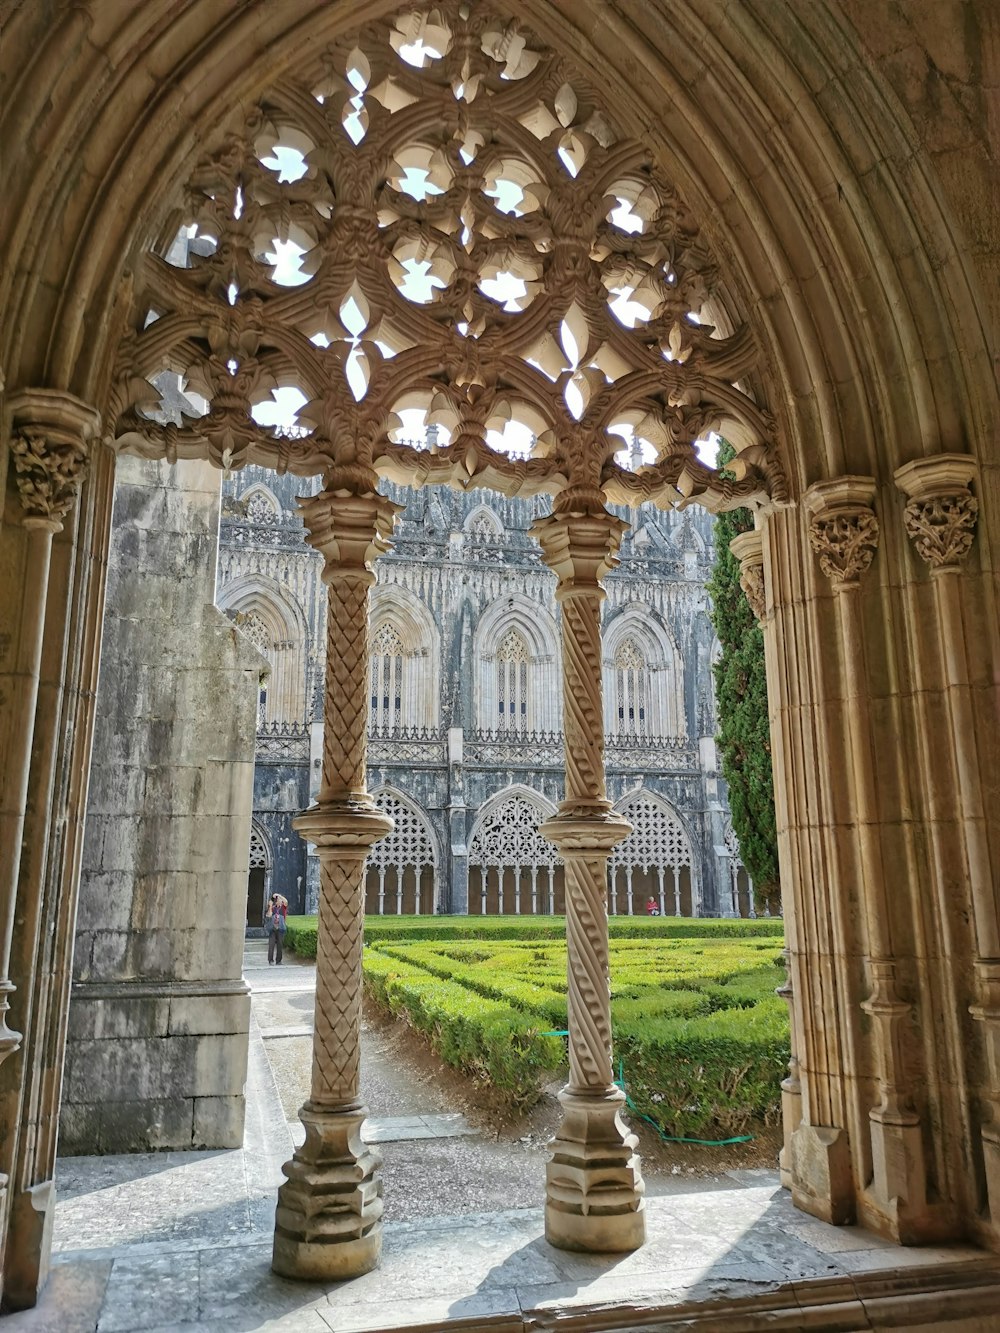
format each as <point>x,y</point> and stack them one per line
<point>701,1038</point>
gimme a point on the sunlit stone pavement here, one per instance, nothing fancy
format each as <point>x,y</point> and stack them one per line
<point>182,1241</point>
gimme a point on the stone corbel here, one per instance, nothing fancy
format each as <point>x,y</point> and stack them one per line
<point>748,548</point>
<point>941,511</point>
<point>52,435</point>
<point>843,528</point>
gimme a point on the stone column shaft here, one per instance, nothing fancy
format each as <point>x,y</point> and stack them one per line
<point>594,1187</point>
<point>329,1210</point>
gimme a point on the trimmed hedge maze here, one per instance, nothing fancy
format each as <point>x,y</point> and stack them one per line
<point>700,1036</point>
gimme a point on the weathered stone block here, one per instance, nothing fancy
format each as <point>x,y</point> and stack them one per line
<point>218,1122</point>
<point>201,1014</point>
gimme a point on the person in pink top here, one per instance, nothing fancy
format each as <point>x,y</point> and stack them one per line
<point>275,924</point>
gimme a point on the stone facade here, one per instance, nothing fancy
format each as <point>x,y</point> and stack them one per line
<point>159,932</point>
<point>462,741</point>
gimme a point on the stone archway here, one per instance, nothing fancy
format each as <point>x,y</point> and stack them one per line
<point>841,238</point>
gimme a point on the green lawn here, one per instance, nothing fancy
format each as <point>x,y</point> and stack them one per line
<point>701,1038</point>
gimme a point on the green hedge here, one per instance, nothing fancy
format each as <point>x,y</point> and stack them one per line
<point>710,1076</point>
<point>480,1036</point>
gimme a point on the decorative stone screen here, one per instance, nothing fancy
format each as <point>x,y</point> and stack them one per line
<point>401,866</point>
<point>260,857</point>
<point>511,864</point>
<point>631,690</point>
<point>654,861</point>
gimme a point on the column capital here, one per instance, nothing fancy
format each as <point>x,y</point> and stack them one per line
<point>350,530</point>
<point>580,547</point>
<point>940,516</point>
<point>748,548</point>
<point>52,434</point>
<point>843,528</point>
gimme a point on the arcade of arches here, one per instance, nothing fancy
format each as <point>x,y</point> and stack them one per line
<point>614,229</point>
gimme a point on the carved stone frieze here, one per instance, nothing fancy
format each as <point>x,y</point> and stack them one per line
<point>941,512</point>
<point>52,436</point>
<point>843,528</point>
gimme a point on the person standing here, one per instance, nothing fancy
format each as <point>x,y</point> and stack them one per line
<point>275,923</point>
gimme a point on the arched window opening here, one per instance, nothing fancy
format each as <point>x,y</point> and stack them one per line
<point>512,683</point>
<point>387,679</point>
<point>741,896</point>
<point>652,868</point>
<point>261,509</point>
<point>515,870</point>
<point>258,878</point>
<point>400,874</point>
<point>631,685</point>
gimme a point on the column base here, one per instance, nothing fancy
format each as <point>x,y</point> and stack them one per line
<point>822,1183</point>
<point>29,1245</point>
<point>897,1205</point>
<point>594,1189</point>
<point>328,1221</point>
<point>791,1118</point>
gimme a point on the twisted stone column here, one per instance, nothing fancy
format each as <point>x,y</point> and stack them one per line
<point>328,1218</point>
<point>594,1190</point>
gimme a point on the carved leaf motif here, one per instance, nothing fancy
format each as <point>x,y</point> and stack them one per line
<point>752,583</point>
<point>49,473</point>
<point>846,544</point>
<point>942,527</point>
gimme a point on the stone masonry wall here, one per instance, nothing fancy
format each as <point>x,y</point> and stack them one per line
<point>159,1015</point>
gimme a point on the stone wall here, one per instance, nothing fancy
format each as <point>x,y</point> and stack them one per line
<point>160,926</point>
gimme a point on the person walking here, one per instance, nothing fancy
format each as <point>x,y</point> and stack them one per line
<point>275,923</point>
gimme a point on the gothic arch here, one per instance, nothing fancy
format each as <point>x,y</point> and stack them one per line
<point>401,867</point>
<point>664,672</point>
<point>278,627</point>
<point>260,503</point>
<point>840,218</point>
<point>512,868</point>
<point>483,521</point>
<point>420,664</point>
<point>656,859</point>
<point>259,869</point>
<point>534,624</point>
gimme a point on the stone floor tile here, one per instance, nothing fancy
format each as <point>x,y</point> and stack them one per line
<point>139,1291</point>
<point>237,1281</point>
<point>70,1303</point>
<point>431,1311</point>
<point>906,1256</point>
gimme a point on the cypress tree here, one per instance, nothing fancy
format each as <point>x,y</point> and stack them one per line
<point>741,691</point>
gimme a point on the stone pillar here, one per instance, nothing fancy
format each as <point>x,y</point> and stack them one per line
<point>49,444</point>
<point>594,1190</point>
<point>328,1219</point>
<point>748,548</point>
<point>940,520</point>
<point>844,532</point>
<point>458,868</point>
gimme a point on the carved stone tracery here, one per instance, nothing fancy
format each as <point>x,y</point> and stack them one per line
<point>843,528</point>
<point>415,220</point>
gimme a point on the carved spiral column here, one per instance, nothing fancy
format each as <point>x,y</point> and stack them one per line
<point>328,1218</point>
<point>594,1190</point>
<point>50,441</point>
<point>844,533</point>
<point>940,520</point>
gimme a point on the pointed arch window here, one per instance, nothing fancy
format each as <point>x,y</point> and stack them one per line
<point>387,678</point>
<point>631,689</point>
<point>512,682</point>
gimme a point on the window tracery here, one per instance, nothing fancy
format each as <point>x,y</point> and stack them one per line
<point>631,686</point>
<point>261,509</point>
<point>512,683</point>
<point>512,859</point>
<point>260,857</point>
<point>658,846</point>
<point>520,271</point>
<point>387,679</point>
<point>398,861</point>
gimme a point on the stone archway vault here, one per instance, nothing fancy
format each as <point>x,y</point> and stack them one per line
<point>831,248</point>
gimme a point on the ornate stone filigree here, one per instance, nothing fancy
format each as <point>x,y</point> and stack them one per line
<point>843,528</point>
<point>51,442</point>
<point>940,516</point>
<point>469,236</point>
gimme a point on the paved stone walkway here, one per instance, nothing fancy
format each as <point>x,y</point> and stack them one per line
<point>182,1242</point>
